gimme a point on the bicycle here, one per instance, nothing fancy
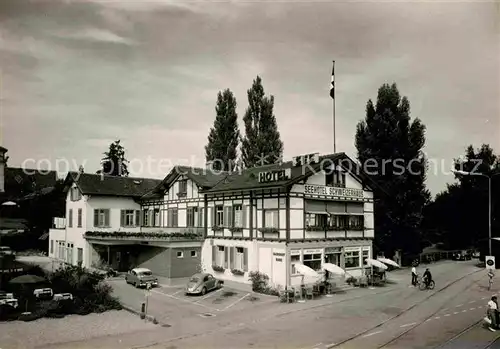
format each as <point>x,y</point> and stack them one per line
<point>422,286</point>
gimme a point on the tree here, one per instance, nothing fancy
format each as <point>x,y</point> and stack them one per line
<point>459,215</point>
<point>224,135</point>
<point>389,147</point>
<point>114,162</point>
<point>262,142</point>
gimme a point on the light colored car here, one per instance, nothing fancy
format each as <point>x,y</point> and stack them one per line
<point>202,283</point>
<point>141,277</point>
<point>5,250</point>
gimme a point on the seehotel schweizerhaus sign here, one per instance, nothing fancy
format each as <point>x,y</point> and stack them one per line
<point>332,191</point>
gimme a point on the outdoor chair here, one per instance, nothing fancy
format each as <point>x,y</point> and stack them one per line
<point>309,293</point>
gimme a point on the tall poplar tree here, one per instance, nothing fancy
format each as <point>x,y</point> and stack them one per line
<point>224,136</point>
<point>389,146</point>
<point>262,142</point>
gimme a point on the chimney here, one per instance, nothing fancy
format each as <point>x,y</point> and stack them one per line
<point>3,161</point>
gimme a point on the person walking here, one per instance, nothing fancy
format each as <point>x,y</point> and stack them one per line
<point>414,276</point>
<point>493,313</point>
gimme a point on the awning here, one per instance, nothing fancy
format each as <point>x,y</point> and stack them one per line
<point>317,212</point>
<point>44,236</point>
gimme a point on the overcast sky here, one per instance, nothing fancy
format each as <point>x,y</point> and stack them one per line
<point>77,75</point>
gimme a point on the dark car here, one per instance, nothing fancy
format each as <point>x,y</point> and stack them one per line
<point>141,277</point>
<point>202,283</point>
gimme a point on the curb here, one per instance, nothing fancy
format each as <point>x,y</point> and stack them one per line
<point>149,318</point>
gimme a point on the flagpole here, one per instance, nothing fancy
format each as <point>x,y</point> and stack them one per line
<point>333,110</point>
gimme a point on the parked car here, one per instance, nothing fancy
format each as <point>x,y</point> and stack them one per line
<point>6,251</point>
<point>476,254</point>
<point>463,256</point>
<point>141,277</point>
<point>202,283</point>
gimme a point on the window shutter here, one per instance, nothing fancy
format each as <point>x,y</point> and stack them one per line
<point>137,217</point>
<point>122,218</point>
<point>230,217</point>
<point>245,259</point>
<point>96,218</point>
<point>225,215</point>
<point>226,257</point>
<point>211,211</point>
<point>200,217</point>
<point>214,255</point>
<point>106,217</point>
<point>244,216</point>
<point>231,260</point>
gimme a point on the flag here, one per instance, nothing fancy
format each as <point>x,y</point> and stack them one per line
<point>332,85</point>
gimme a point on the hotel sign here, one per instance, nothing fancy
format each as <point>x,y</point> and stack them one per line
<point>275,176</point>
<point>332,191</point>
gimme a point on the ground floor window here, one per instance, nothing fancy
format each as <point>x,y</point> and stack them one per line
<point>51,246</point>
<point>333,255</point>
<point>366,254</point>
<point>294,258</point>
<point>69,253</point>
<point>351,259</point>
<point>219,260</point>
<point>79,256</point>
<point>313,261</point>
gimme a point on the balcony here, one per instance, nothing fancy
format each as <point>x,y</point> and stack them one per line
<point>160,236</point>
<point>58,223</point>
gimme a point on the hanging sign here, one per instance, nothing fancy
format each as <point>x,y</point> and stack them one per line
<point>275,176</point>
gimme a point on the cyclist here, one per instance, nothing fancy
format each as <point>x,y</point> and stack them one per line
<point>427,277</point>
<point>493,313</point>
<point>491,274</point>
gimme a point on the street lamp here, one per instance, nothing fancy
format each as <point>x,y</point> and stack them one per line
<point>465,173</point>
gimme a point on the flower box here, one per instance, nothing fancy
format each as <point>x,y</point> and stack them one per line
<point>236,229</point>
<point>218,268</point>
<point>217,228</point>
<point>269,230</point>
<point>237,272</point>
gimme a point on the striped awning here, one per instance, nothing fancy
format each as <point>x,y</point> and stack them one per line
<point>44,236</point>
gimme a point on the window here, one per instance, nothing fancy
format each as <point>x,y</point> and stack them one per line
<point>271,219</point>
<point>219,216</point>
<point>138,218</point>
<point>127,218</point>
<point>70,218</point>
<point>332,255</point>
<point>366,254</point>
<point>294,259</point>
<point>69,253</point>
<point>79,256</point>
<point>180,254</point>
<point>239,258</point>
<point>191,217</point>
<point>101,218</point>
<point>183,187</point>
<point>145,217</point>
<point>335,179</point>
<point>351,259</point>
<point>172,214</point>
<point>237,216</point>
<point>356,222</point>
<point>75,194</point>
<point>316,220</point>
<point>156,217</point>
<point>339,222</point>
<point>200,222</point>
<point>194,254</point>
<point>313,261</point>
<point>220,259</point>
<point>79,218</point>
<point>51,246</point>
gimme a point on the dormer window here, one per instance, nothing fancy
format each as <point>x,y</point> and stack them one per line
<point>335,179</point>
<point>182,187</point>
<point>75,194</point>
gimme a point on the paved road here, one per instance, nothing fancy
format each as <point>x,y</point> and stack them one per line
<point>417,319</point>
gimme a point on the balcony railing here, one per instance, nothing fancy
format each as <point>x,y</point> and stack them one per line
<point>158,235</point>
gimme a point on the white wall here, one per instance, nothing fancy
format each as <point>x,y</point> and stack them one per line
<point>192,191</point>
<point>74,234</point>
<point>115,205</point>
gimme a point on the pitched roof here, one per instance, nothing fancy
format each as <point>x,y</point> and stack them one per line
<point>248,178</point>
<point>20,182</point>
<point>204,178</point>
<point>96,184</point>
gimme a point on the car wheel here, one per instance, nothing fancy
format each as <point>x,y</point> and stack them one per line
<point>203,291</point>
<point>218,285</point>
<point>135,284</point>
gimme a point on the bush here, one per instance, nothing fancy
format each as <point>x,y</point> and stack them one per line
<point>34,269</point>
<point>260,283</point>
